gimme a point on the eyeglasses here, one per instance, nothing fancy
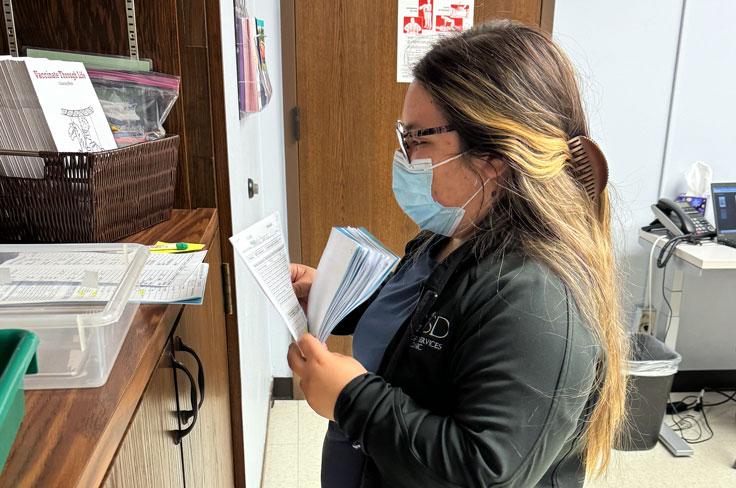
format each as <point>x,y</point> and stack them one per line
<point>405,136</point>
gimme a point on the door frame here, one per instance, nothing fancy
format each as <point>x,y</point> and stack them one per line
<point>291,128</point>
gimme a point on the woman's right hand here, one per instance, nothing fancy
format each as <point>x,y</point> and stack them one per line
<point>301,279</point>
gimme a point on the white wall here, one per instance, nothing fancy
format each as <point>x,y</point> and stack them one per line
<point>625,54</point>
<point>702,128</point>
<point>657,79</point>
<point>703,104</point>
<point>255,150</point>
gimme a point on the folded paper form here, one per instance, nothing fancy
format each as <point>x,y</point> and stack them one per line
<point>353,266</point>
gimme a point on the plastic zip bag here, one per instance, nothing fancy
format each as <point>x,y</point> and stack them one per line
<point>254,84</point>
<point>136,104</point>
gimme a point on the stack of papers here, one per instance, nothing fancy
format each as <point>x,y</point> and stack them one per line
<point>47,105</point>
<point>83,277</point>
<point>352,267</point>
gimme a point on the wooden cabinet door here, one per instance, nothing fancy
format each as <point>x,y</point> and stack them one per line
<point>207,449</point>
<point>148,456</point>
<point>349,102</point>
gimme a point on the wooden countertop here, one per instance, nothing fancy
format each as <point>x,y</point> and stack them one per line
<point>69,437</point>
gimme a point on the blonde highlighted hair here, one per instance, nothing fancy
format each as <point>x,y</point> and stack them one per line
<point>512,94</point>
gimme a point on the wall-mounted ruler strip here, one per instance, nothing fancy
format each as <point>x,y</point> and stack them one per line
<point>10,27</point>
<point>132,31</point>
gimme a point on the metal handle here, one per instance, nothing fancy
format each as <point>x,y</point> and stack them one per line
<point>179,345</point>
<point>181,433</point>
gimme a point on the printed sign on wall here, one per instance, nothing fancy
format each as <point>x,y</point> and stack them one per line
<point>421,23</point>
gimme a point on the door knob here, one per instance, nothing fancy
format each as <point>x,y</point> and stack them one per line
<point>252,188</point>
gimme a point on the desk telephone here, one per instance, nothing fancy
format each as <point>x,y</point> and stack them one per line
<point>680,219</point>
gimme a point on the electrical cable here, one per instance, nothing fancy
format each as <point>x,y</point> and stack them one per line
<point>664,256</point>
<point>669,306</point>
<point>700,439</point>
<point>729,398</point>
<point>681,405</point>
<point>665,253</point>
<point>669,249</point>
<point>683,423</point>
<point>650,272</point>
<point>686,422</point>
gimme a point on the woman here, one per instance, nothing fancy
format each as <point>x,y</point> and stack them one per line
<point>492,356</point>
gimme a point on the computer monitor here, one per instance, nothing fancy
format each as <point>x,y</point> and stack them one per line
<point>723,198</point>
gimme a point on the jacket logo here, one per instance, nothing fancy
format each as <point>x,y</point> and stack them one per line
<point>436,328</point>
<point>439,328</point>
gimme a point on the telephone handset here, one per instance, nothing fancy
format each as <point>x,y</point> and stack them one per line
<point>681,219</point>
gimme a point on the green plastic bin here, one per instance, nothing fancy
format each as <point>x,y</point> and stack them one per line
<point>17,357</point>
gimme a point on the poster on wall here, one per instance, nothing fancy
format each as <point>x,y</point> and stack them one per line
<point>421,23</point>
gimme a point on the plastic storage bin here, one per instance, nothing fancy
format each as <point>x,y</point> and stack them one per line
<point>17,357</point>
<point>651,371</point>
<point>78,340</point>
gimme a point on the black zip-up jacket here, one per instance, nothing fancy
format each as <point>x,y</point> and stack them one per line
<point>488,383</point>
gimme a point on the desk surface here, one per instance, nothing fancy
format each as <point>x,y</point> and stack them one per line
<point>708,255</point>
<point>69,437</point>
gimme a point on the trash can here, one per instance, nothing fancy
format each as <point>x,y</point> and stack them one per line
<point>651,370</point>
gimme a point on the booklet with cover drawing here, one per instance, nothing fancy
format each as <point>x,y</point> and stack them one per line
<point>47,105</point>
<point>70,105</point>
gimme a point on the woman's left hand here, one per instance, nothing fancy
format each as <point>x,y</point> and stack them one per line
<point>323,373</point>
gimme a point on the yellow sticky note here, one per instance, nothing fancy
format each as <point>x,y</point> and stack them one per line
<point>175,247</point>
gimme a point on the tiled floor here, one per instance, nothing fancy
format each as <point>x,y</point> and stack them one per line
<point>293,446</point>
<point>295,431</point>
<point>711,466</point>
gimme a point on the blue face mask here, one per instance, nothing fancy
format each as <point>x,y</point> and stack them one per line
<point>412,185</point>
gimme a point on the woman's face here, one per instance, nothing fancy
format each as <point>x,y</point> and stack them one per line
<point>455,182</point>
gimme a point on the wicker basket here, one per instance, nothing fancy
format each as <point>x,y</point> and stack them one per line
<point>90,197</point>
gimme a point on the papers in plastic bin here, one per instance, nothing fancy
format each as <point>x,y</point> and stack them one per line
<point>189,291</point>
<point>158,268</point>
<point>352,267</point>
<point>71,267</point>
<point>263,249</point>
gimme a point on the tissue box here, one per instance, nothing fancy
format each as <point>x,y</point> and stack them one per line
<point>698,203</point>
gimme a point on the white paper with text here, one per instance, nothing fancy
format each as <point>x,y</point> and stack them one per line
<point>263,249</point>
